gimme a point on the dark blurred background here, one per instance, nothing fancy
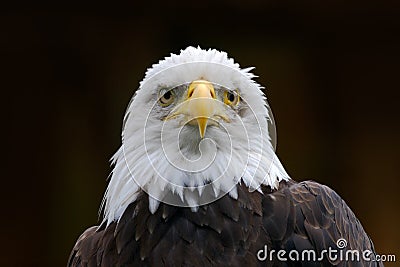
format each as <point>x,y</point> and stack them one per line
<point>332,77</point>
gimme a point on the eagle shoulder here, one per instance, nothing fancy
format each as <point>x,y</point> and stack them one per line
<point>93,247</point>
<point>310,216</point>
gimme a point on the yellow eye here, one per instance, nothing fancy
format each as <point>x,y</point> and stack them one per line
<point>231,98</point>
<point>166,97</point>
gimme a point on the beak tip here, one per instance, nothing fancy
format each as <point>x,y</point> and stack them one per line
<point>202,122</point>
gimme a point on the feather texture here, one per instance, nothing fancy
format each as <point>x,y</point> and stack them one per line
<point>298,216</point>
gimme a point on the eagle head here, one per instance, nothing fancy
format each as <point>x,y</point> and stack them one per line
<point>197,126</point>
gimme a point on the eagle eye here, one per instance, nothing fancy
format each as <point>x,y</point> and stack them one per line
<point>231,98</point>
<point>166,97</point>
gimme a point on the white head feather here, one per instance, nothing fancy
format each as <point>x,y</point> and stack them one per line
<point>202,170</point>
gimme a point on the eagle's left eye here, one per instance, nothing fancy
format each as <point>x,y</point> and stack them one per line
<point>166,98</point>
<point>231,98</point>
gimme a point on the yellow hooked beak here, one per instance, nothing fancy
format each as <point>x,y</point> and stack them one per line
<point>201,97</point>
<point>200,105</point>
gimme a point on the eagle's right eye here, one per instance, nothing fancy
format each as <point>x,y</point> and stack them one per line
<point>166,98</point>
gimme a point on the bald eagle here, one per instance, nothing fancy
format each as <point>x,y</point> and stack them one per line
<point>196,181</point>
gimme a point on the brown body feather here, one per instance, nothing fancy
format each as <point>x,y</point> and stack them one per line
<point>229,232</point>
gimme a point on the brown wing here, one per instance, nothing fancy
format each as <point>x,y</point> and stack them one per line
<point>218,234</point>
<point>95,247</point>
<point>81,247</point>
<point>310,216</point>
<point>298,216</point>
